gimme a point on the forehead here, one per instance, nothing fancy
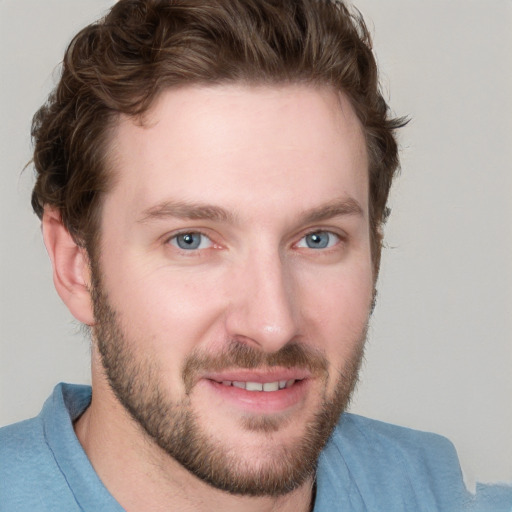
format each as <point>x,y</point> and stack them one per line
<point>237,145</point>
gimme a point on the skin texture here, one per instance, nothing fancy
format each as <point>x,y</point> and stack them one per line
<point>255,171</point>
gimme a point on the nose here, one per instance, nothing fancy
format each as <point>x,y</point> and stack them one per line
<point>263,304</point>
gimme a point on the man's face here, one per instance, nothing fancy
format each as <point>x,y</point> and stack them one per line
<point>234,277</point>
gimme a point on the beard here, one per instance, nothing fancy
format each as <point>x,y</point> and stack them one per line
<point>174,425</point>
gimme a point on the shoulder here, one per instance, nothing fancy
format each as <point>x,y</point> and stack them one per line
<point>383,466</point>
<point>26,466</point>
<point>372,466</point>
<point>394,443</point>
<point>21,443</point>
<point>29,470</point>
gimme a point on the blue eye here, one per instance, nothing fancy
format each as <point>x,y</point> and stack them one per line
<point>319,240</point>
<point>191,241</point>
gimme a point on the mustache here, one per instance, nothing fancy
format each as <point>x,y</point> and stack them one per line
<point>239,355</point>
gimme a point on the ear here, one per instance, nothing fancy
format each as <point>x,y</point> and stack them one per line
<point>71,270</point>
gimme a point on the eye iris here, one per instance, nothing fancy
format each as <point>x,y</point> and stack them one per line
<point>188,241</point>
<point>317,240</point>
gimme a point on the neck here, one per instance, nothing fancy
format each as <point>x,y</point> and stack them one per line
<point>141,476</point>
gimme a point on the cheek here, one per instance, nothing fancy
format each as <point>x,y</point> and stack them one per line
<point>338,309</point>
<point>166,313</point>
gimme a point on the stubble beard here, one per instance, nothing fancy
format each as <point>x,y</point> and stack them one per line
<point>174,425</point>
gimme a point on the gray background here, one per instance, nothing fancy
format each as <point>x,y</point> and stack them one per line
<point>440,351</point>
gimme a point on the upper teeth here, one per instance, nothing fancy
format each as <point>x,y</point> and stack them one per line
<point>260,386</point>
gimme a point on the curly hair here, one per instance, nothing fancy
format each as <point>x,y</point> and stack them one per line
<point>120,64</point>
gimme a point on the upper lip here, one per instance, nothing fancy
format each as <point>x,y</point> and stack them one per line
<point>261,376</point>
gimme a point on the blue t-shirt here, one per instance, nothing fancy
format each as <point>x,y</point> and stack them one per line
<point>366,466</point>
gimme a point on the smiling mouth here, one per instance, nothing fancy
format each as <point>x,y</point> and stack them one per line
<point>268,387</point>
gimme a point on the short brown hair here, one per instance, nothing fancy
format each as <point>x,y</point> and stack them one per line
<point>120,64</point>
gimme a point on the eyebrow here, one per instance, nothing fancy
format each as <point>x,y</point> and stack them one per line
<point>336,208</point>
<point>200,211</point>
<point>188,211</point>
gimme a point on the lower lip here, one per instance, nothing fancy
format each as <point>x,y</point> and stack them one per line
<point>261,401</point>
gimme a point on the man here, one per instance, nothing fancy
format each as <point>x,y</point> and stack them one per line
<point>212,182</point>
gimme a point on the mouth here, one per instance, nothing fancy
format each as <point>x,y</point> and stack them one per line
<point>252,391</point>
<point>266,387</point>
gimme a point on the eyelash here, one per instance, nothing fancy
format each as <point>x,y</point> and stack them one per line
<point>173,240</point>
<point>337,238</point>
<point>189,251</point>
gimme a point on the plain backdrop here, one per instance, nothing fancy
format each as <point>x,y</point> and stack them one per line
<point>439,355</point>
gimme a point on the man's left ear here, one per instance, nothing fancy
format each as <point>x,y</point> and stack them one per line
<point>71,270</point>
